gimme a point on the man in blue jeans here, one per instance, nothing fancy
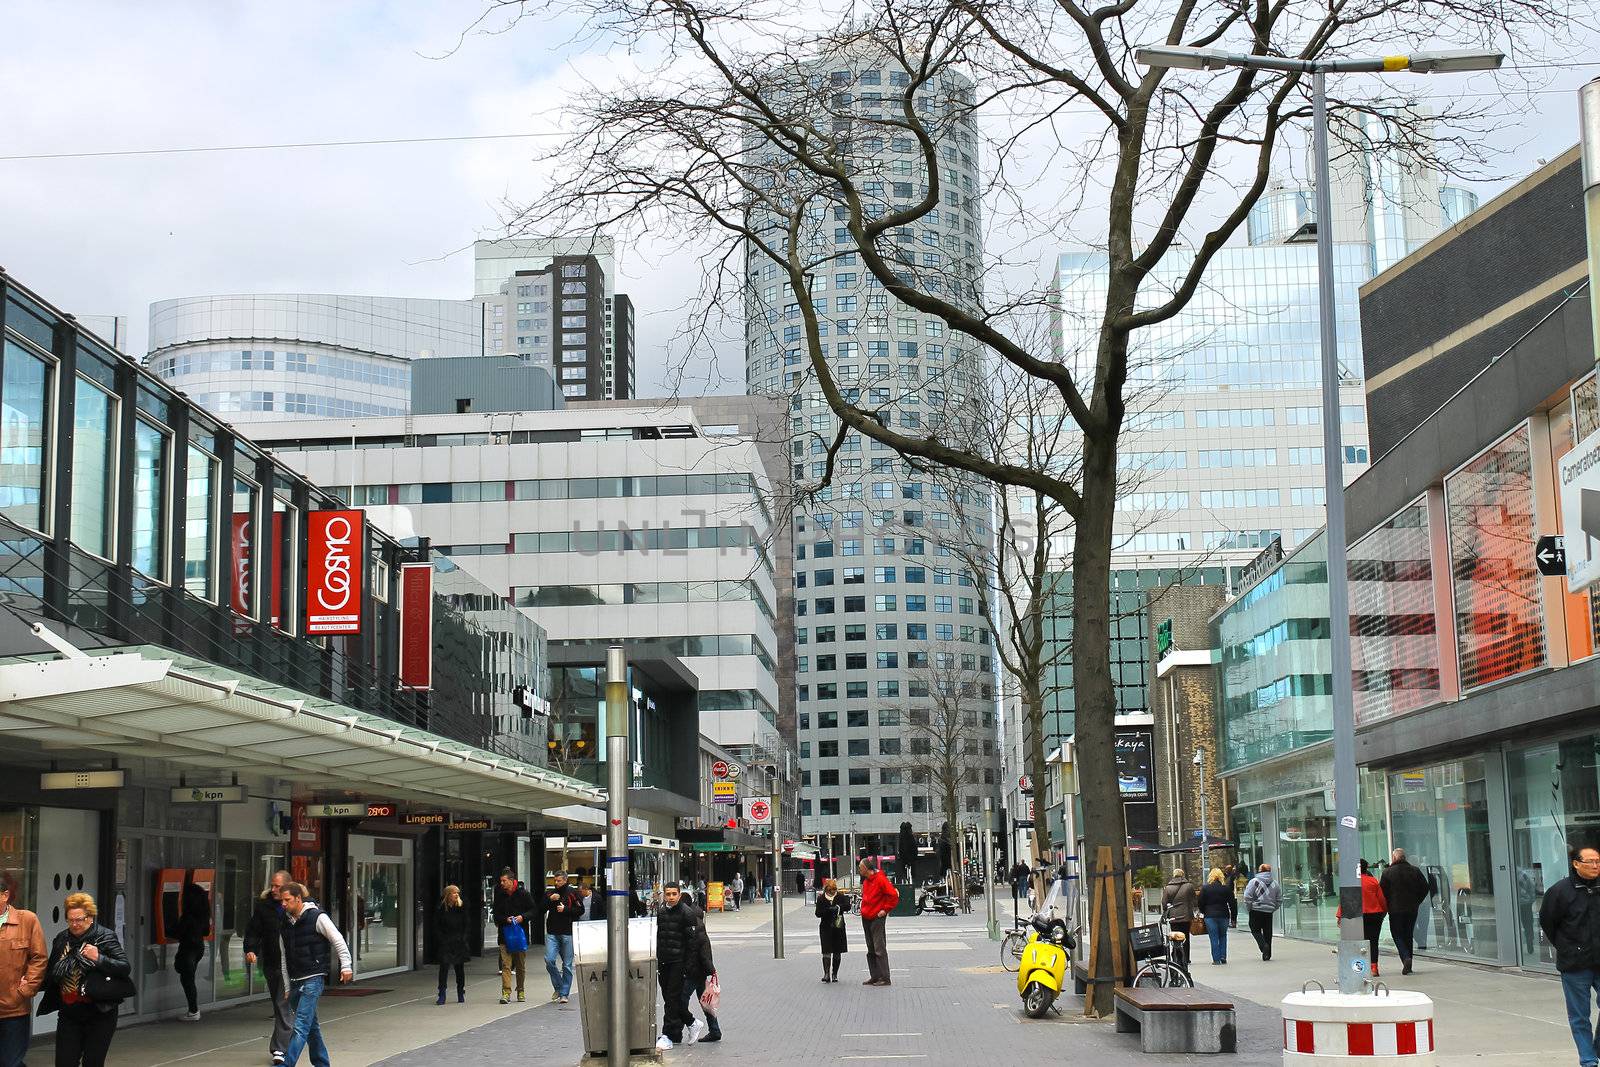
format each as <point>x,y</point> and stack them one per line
<point>562,907</point>
<point>309,942</point>
<point>1570,918</point>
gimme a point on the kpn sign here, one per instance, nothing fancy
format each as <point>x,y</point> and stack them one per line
<point>1580,512</point>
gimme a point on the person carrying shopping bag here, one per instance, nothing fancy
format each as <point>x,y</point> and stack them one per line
<point>831,908</point>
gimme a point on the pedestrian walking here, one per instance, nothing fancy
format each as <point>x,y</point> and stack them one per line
<point>23,959</point>
<point>700,974</point>
<point>831,908</point>
<point>514,916</point>
<point>1220,910</point>
<point>1570,919</point>
<point>878,899</point>
<point>1373,909</point>
<point>194,926</point>
<point>766,887</point>
<point>677,940</point>
<point>310,942</point>
<point>263,947</point>
<point>1405,890</point>
<point>738,889</point>
<point>1019,885</point>
<point>450,923</point>
<point>562,907</point>
<point>1179,904</point>
<point>86,982</point>
<point>1262,898</point>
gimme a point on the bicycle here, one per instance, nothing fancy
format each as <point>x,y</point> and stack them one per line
<point>1012,944</point>
<point>1161,950</point>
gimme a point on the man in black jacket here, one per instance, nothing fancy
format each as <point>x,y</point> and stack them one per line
<point>1570,918</point>
<point>677,942</point>
<point>1404,888</point>
<point>263,944</point>
<point>513,906</point>
<point>562,906</point>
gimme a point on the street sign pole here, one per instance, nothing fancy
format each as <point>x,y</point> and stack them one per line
<point>777,875</point>
<point>988,866</point>
<point>618,764</point>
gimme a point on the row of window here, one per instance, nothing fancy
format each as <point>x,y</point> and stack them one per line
<point>915,575</point>
<point>890,631</point>
<point>887,602</point>
<point>829,720</point>
<point>916,659</point>
<point>890,687</point>
<point>887,805</point>
<point>391,374</point>
<point>612,593</point>
<point>557,489</point>
<point>294,403</point>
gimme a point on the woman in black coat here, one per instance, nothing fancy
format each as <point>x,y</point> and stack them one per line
<point>831,908</point>
<point>451,922</point>
<point>82,951</point>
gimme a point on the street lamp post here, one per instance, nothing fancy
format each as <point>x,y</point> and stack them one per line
<point>1205,822</point>
<point>1352,947</point>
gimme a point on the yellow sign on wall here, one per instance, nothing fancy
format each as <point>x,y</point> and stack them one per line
<point>724,789</point>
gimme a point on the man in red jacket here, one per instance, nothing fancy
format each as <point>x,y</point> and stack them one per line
<point>878,898</point>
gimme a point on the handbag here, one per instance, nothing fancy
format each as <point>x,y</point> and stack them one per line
<point>105,988</point>
<point>516,938</point>
<point>711,998</point>
<point>1197,925</point>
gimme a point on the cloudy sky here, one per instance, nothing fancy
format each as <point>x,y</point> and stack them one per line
<point>109,235</point>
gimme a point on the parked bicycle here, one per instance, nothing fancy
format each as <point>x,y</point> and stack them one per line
<point>1162,951</point>
<point>1016,939</point>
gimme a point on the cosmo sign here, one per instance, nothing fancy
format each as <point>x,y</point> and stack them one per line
<point>333,572</point>
<point>1579,480</point>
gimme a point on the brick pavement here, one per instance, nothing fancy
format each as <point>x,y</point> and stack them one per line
<point>950,1005</point>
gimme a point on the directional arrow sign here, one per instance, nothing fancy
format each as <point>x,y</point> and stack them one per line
<point>1551,555</point>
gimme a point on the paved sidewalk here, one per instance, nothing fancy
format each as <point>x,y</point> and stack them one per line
<point>1481,1015</point>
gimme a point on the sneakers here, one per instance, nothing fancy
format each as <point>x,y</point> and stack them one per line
<point>555,995</point>
<point>563,1000</point>
<point>663,1043</point>
<point>522,998</point>
<point>711,1037</point>
<point>505,998</point>
<point>277,1059</point>
<point>441,997</point>
<point>696,1027</point>
<point>189,1017</point>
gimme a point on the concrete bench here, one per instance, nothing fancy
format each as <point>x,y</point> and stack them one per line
<point>1176,1020</point>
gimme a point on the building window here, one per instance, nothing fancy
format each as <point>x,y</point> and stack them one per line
<point>891,805</point>
<point>199,525</point>
<point>94,467</point>
<point>860,805</point>
<point>26,388</point>
<point>1394,651</point>
<point>150,465</point>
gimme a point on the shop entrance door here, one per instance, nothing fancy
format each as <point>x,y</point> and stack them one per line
<point>381,879</point>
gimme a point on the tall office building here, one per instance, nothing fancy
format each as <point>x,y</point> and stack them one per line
<point>888,632</point>
<point>542,298</point>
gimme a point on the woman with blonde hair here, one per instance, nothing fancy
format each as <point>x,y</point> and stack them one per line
<point>450,920</point>
<point>87,980</point>
<point>1220,910</point>
<point>831,908</point>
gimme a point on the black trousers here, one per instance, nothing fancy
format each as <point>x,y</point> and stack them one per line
<point>1403,928</point>
<point>675,992</point>
<point>1261,930</point>
<point>876,931</point>
<point>1372,926</point>
<point>83,1035</point>
<point>461,976</point>
<point>186,963</point>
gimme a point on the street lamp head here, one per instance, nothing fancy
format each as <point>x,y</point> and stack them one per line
<point>1197,757</point>
<point>1453,62</point>
<point>1181,57</point>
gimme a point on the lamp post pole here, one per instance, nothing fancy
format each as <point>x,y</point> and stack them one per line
<point>1353,965</point>
<point>618,767</point>
<point>988,866</point>
<point>1205,829</point>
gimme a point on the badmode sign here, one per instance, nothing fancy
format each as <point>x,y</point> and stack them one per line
<point>1580,512</point>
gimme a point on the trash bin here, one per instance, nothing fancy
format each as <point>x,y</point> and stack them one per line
<point>589,949</point>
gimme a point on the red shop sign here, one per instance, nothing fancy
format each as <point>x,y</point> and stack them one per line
<point>334,557</point>
<point>416,626</point>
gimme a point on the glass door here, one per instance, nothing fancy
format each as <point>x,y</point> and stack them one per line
<point>382,879</point>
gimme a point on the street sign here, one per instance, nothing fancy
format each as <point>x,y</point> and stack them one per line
<point>724,792</point>
<point>1579,484</point>
<point>1024,785</point>
<point>1551,556</point>
<point>719,769</point>
<point>758,811</point>
<point>380,811</point>
<point>207,794</point>
<point>425,818</point>
<point>460,825</point>
<point>356,810</point>
<point>1164,637</point>
<point>733,772</point>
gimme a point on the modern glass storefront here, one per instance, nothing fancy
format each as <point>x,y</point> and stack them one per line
<point>1554,791</point>
<point>1441,816</point>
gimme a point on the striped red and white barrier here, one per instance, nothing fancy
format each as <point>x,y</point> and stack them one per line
<point>1325,1029</point>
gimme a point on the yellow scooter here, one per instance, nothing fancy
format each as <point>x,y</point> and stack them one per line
<point>1043,971</point>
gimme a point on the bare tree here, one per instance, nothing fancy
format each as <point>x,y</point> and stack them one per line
<point>739,144</point>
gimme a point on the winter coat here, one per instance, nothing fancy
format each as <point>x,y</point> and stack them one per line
<point>1263,893</point>
<point>194,917</point>
<point>112,961</point>
<point>831,924</point>
<point>1216,901</point>
<point>700,965</point>
<point>22,962</point>
<point>263,935</point>
<point>1372,900</point>
<point>1178,898</point>
<point>677,932</point>
<point>516,902</point>
<point>878,896</point>
<point>451,926</point>
<point>1570,919</point>
<point>560,922</point>
<point>1404,887</point>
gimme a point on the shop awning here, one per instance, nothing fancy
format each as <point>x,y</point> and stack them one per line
<point>148,702</point>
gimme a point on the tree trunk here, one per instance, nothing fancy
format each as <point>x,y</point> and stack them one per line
<point>1033,740</point>
<point>1094,726</point>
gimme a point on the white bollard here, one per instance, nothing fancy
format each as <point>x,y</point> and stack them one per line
<point>1343,1029</point>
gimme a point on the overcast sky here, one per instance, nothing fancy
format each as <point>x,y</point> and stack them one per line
<point>111,235</point>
